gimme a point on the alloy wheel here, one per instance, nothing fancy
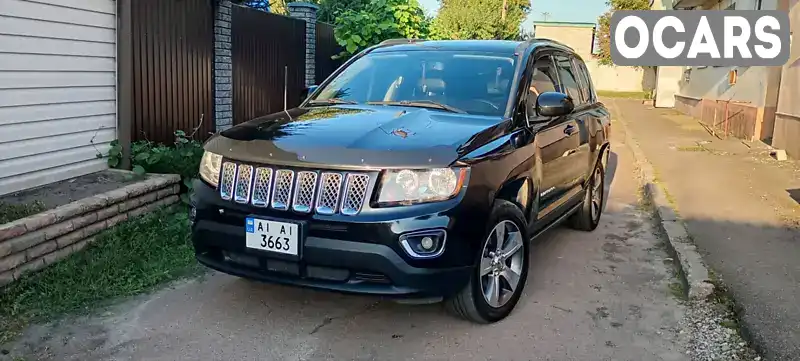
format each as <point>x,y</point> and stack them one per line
<point>501,264</point>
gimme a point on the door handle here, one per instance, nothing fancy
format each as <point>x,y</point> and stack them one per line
<point>570,129</point>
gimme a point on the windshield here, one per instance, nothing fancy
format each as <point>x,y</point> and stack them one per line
<point>461,81</point>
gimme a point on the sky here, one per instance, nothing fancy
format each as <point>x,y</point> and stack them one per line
<point>559,10</point>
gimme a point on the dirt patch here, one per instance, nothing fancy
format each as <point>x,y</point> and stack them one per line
<point>60,193</point>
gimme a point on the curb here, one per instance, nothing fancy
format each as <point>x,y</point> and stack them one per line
<point>693,271</point>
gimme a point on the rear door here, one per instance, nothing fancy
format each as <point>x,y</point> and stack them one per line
<point>577,154</point>
<point>596,115</point>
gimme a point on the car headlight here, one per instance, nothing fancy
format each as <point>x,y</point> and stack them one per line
<point>210,165</point>
<point>409,186</point>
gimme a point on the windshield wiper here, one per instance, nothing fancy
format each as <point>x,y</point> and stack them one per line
<point>331,101</point>
<point>421,104</point>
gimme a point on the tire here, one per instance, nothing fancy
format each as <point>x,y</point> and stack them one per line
<point>471,303</point>
<point>588,215</point>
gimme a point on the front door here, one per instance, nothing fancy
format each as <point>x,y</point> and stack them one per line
<point>557,140</point>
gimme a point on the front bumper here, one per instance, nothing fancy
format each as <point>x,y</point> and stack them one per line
<point>358,254</point>
<point>330,264</point>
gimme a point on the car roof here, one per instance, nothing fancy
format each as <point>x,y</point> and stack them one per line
<point>505,47</point>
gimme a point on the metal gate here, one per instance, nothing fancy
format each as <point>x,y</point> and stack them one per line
<point>173,49</point>
<point>326,48</point>
<point>269,62</point>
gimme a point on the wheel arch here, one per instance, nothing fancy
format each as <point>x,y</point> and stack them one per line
<point>606,147</point>
<point>518,191</point>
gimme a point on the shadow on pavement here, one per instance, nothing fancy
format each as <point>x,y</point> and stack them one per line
<point>774,326</point>
<point>794,194</point>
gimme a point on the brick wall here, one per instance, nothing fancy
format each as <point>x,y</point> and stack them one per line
<point>34,242</point>
<point>308,12</point>
<point>223,67</point>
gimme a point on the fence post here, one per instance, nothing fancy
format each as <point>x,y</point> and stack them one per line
<point>223,67</point>
<point>308,12</point>
<point>125,80</point>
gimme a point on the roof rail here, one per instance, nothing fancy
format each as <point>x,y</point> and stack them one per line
<point>400,41</point>
<point>545,40</point>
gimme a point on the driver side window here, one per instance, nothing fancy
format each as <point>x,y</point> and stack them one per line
<point>543,79</point>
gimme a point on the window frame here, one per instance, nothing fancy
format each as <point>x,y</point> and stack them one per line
<point>569,57</point>
<point>577,63</point>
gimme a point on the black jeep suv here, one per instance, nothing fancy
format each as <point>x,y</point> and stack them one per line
<point>419,169</point>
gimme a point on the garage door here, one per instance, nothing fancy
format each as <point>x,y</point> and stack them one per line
<point>57,89</point>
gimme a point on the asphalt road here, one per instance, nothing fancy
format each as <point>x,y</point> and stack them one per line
<point>591,296</point>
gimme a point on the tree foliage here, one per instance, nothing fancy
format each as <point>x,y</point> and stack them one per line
<point>604,25</point>
<point>379,20</point>
<point>480,19</point>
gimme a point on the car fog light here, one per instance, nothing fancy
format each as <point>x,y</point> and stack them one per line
<point>424,244</point>
<point>427,243</point>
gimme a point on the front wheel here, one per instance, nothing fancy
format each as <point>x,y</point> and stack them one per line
<point>501,270</point>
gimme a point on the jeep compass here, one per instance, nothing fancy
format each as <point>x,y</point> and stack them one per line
<point>417,170</point>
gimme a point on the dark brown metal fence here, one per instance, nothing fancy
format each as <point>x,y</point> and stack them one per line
<point>326,47</point>
<point>268,52</point>
<point>173,49</point>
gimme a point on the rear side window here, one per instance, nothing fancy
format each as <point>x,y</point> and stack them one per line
<point>569,79</point>
<point>586,82</point>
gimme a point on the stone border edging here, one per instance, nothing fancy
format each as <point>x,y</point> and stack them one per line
<point>693,271</point>
<point>34,242</point>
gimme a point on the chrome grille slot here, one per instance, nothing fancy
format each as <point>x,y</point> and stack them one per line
<point>323,192</point>
<point>244,183</point>
<point>355,192</point>
<point>227,177</point>
<point>330,186</point>
<point>304,191</point>
<point>282,191</point>
<point>261,187</point>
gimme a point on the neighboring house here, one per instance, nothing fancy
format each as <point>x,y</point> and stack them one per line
<point>667,77</point>
<point>57,89</point>
<point>786,134</point>
<point>581,37</point>
<point>752,100</point>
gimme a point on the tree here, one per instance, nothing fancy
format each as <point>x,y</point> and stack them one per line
<point>480,19</point>
<point>379,20</point>
<point>330,9</point>
<point>604,25</point>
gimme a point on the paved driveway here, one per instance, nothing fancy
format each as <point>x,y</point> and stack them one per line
<point>591,296</point>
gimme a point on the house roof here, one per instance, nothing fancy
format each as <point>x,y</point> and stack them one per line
<point>564,24</point>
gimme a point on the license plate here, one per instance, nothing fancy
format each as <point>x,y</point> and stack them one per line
<point>272,236</point>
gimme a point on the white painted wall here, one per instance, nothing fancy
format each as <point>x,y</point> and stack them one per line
<point>712,82</point>
<point>57,89</point>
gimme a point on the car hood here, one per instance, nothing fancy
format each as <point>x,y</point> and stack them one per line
<point>357,136</point>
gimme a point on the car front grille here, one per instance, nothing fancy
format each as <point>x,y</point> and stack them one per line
<point>324,192</point>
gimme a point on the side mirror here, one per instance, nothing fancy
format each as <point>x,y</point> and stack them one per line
<point>554,104</point>
<point>308,91</point>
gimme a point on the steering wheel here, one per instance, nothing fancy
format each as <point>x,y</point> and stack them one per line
<point>486,102</point>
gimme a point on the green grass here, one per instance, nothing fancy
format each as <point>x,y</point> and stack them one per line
<point>12,212</point>
<point>132,258</point>
<point>618,94</point>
